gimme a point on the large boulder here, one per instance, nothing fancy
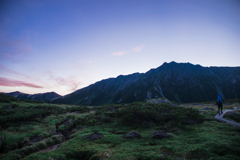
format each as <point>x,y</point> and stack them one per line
<point>159,135</point>
<point>132,135</point>
<point>93,136</point>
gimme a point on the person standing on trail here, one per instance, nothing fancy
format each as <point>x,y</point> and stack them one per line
<point>220,103</point>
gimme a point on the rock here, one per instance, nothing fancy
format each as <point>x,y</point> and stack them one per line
<point>67,122</point>
<point>208,109</point>
<point>93,136</point>
<point>131,135</point>
<point>36,139</point>
<point>9,107</point>
<point>1,140</point>
<point>159,135</point>
<point>112,109</point>
<point>76,112</point>
<point>227,103</point>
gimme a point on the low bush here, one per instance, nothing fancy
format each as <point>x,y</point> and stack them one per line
<point>152,114</point>
<point>22,114</point>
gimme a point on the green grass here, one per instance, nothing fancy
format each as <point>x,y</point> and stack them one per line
<point>207,139</point>
<point>235,118</point>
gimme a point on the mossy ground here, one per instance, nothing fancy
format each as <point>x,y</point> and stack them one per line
<point>233,116</point>
<point>206,140</point>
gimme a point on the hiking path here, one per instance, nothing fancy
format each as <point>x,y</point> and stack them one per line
<point>221,119</point>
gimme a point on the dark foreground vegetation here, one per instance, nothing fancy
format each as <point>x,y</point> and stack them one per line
<point>140,131</point>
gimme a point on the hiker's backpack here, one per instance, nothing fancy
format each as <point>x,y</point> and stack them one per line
<point>219,98</point>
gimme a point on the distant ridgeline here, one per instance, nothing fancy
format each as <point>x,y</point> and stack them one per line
<point>43,97</point>
<point>179,82</point>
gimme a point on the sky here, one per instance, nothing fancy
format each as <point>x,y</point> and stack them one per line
<point>65,45</point>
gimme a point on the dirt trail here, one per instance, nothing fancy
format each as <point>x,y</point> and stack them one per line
<point>220,118</point>
<point>50,148</point>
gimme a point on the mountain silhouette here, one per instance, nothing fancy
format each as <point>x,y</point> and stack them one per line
<point>179,82</point>
<point>43,97</point>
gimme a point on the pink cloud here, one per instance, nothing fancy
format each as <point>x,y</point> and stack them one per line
<point>119,53</point>
<point>138,48</point>
<point>14,83</point>
<point>70,82</point>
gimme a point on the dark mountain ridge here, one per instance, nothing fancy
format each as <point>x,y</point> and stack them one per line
<point>180,82</point>
<point>43,97</point>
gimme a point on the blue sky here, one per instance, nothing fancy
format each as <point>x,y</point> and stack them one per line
<point>65,45</point>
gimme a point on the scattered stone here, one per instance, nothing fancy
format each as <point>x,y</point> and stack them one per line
<point>159,135</point>
<point>131,135</point>
<point>207,108</point>
<point>93,136</point>
<point>77,112</point>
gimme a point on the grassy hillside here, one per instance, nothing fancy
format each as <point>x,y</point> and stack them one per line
<point>61,132</point>
<point>8,99</point>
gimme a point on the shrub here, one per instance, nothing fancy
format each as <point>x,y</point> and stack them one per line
<point>41,145</point>
<point>159,114</point>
